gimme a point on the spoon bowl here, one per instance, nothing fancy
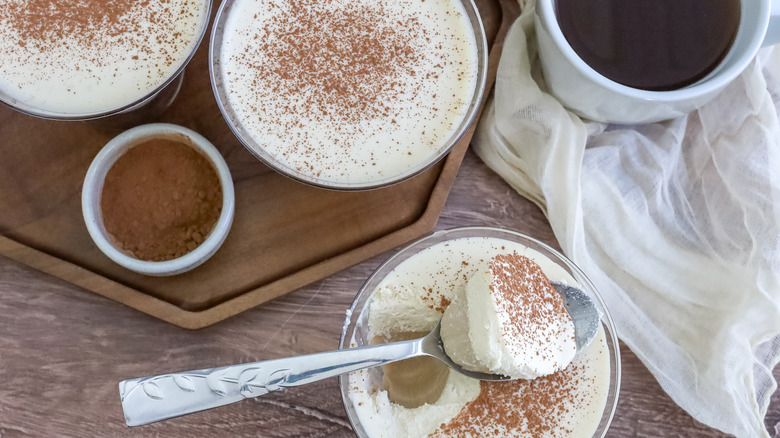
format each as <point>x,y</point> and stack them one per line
<point>583,312</point>
<point>432,345</point>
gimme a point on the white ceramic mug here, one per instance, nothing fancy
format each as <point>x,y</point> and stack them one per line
<point>589,94</point>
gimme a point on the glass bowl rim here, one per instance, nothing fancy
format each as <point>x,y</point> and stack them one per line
<point>469,118</point>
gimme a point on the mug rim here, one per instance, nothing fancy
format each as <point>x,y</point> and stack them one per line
<point>545,12</point>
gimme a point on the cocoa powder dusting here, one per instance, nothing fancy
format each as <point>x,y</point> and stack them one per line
<point>443,304</point>
<point>46,22</point>
<point>345,56</point>
<point>55,37</point>
<point>524,294</point>
<point>333,59</point>
<point>161,199</point>
<point>531,407</point>
<point>436,300</point>
<point>324,85</point>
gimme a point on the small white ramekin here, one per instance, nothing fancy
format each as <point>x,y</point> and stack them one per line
<point>93,188</point>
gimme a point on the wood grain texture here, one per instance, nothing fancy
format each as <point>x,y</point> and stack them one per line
<point>63,350</point>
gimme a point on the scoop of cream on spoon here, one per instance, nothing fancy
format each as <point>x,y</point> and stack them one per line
<point>510,320</point>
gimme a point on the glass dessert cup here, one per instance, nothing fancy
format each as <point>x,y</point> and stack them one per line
<point>356,323</point>
<point>153,103</point>
<point>216,70</point>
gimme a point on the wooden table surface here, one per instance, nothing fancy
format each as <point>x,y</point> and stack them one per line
<point>63,350</point>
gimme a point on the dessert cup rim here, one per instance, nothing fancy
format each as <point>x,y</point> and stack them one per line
<point>364,294</point>
<point>220,94</point>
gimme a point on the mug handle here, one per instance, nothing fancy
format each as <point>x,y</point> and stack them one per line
<point>772,35</point>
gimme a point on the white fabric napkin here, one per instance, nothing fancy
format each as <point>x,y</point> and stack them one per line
<point>677,224</point>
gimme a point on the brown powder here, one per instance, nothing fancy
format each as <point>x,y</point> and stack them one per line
<point>534,407</point>
<point>161,199</point>
<point>334,59</point>
<point>337,67</point>
<point>45,22</point>
<point>524,294</point>
<point>444,302</point>
<point>72,35</point>
<point>436,300</point>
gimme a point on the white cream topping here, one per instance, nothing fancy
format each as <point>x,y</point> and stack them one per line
<point>507,339</point>
<point>398,308</point>
<point>349,91</point>
<point>68,56</point>
<point>384,419</point>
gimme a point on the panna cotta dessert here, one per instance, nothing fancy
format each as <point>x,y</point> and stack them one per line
<point>72,58</point>
<point>348,93</point>
<point>509,320</point>
<point>489,281</point>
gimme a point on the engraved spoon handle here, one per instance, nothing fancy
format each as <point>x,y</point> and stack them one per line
<point>149,399</point>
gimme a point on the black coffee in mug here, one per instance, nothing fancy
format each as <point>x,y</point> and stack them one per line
<point>653,45</point>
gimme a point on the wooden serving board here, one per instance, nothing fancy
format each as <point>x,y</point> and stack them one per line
<point>285,234</point>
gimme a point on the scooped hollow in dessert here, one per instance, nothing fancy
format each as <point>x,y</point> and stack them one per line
<point>509,320</point>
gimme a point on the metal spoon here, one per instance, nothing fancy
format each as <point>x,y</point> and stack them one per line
<point>585,314</point>
<point>149,399</point>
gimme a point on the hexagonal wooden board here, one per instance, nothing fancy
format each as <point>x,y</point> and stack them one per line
<point>285,234</point>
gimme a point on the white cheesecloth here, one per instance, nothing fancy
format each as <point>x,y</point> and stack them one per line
<point>676,223</point>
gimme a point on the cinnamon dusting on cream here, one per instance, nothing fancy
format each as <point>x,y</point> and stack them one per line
<point>83,56</point>
<point>527,302</point>
<point>536,407</point>
<point>344,89</point>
